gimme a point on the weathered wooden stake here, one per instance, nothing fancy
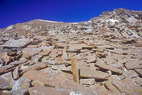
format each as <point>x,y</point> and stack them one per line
<point>75,71</point>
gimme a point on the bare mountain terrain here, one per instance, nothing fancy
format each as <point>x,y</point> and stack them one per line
<point>102,56</point>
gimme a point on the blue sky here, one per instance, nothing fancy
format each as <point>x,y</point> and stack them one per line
<point>18,11</point>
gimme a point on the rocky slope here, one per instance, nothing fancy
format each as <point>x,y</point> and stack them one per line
<point>102,56</point>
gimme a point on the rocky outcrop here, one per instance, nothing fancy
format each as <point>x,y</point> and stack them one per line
<point>102,56</point>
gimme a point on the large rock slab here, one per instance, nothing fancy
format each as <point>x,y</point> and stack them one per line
<point>126,86</point>
<point>41,90</point>
<point>29,52</point>
<point>16,43</point>
<point>133,64</point>
<point>87,72</point>
<point>59,80</point>
<point>130,73</point>
<point>102,65</point>
<point>37,66</point>
<point>49,78</point>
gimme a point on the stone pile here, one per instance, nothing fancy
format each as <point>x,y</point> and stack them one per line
<point>69,59</point>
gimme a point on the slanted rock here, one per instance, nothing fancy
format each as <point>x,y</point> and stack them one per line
<point>7,68</point>
<point>16,73</point>
<point>139,71</point>
<point>37,66</point>
<point>102,65</point>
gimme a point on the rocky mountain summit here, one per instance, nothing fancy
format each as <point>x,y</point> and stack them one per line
<point>102,56</point>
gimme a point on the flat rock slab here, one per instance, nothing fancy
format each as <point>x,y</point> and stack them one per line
<point>102,65</point>
<point>29,52</point>
<point>126,86</point>
<point>87,72</point>
<point>76,46</point>
<point>133,64</point>
<point>130,73</point>
<point>41,90</point>
<point>139,71</point>
<point>37,66</point>
<point>58,80</point>
<point>91,58</point>
<point>16,43</point>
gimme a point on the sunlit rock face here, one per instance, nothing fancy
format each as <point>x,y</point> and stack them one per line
<point>102,56</point>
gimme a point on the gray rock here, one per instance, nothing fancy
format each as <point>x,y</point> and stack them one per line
<point>133,64</point>
<point>16,43</point>
<point>21,86</point>
<point>132,19</point>
<point>87,81</point>
<point>139,71</point>
<point>6,81</point>
<point>130,73</point>
<point>16,73</point>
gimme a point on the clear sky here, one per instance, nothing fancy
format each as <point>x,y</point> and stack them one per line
<point>18,11</point>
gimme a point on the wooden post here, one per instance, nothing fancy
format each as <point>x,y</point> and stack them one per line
<point>75,71</point>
